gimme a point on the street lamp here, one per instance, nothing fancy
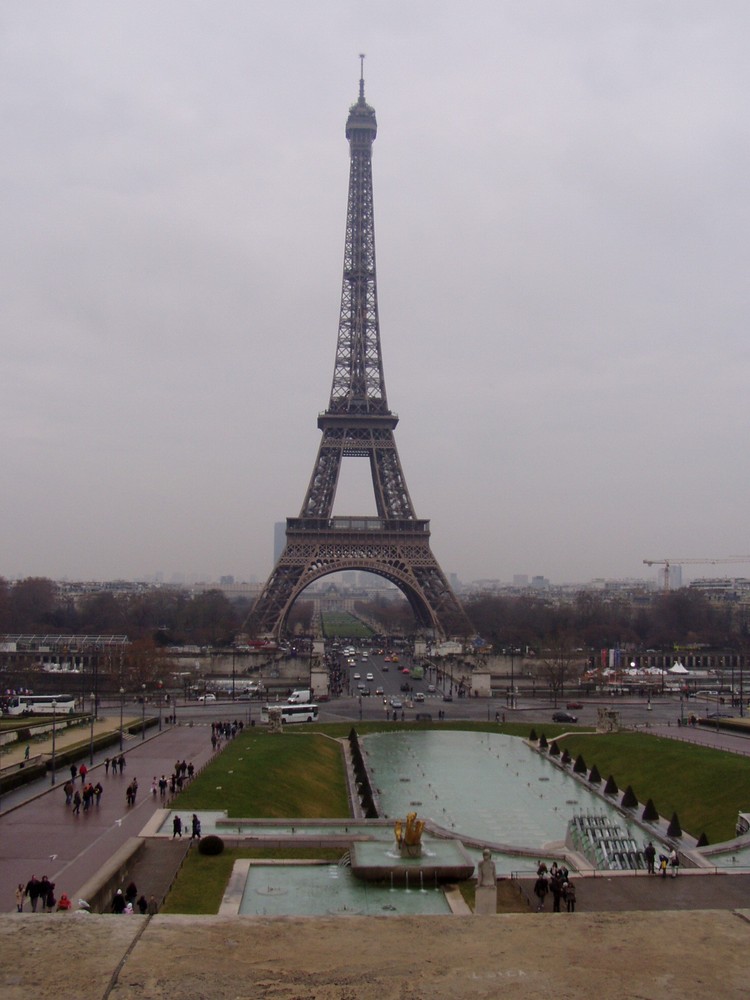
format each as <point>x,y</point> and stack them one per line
<point>91,737</point>
<point>122,695</point>
<point>54,734</point>
<point>143,712</point>
<point>160,693</point>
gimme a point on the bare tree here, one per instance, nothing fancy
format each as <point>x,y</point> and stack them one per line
<point>560,663</point>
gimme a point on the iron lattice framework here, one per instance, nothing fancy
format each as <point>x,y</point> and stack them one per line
<point>395,544</point>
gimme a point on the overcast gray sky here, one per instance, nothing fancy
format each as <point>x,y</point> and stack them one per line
<point>561,208</point>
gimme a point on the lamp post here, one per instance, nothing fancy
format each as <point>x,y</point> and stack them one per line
<point>143,712</point>
<point>54,734</point>
<point>91,736</point>
<point>160,696</point>
<point>122,696</point>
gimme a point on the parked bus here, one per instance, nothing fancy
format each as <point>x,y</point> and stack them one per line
<point>417,673</point>
<point>291,713</point>
<point>41,704</point>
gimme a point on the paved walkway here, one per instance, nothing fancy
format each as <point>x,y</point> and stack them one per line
<point>40,835</point>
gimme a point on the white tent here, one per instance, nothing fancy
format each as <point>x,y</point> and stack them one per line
<point>678,668</point>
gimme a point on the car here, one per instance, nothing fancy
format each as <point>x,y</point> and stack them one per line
<point>419,696</point>
<point>396,703</point>
<point>431,688</point>
<point>405,670</point>
<point>386,667</point>
<point>207,697</point>
<point>563,717</point>
<point>387,659</point>
<point>576,705</point>
<point>447,697</point>
<point>379,690</point>
<point>370,677</point>
<point>357,677</point>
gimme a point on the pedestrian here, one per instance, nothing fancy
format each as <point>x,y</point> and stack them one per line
<point>177,828</point>
<point>20,895</point>
<point>27,752</point>
<point>163,787</point>
<point>196,828</point>
<point>32,890</point>
<point>153,908</point>
<point>68,789</point>
<point>73,772</point>
<point>98,791</point>
<point>570,896</point>
<point>64,903</point>
<point>131,893</point>
<point>121,763</point>
<point>154,787</point>
<point>674,862</point>
<point>118,903</point>
<point>649,853</point>
<point>83,771</point>
<point>663,865</point>
<point>106,765</point>
<point>77,803</point>
<point>142,904</point>
<point>541,888</point>
<point>556,887</point>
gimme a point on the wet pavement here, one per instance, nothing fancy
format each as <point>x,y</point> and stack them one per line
<point>40,835</point>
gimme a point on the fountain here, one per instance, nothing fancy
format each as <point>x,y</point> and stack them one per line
<point>412,855</point>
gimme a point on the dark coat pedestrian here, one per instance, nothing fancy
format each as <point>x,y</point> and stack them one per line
<point>176,827</point>
<point>118,903</point>
<point>649,854</point>
<point>541,888</point>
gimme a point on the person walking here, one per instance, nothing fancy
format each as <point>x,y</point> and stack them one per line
<point>540,891</point>
<point>118,903</point>
<point>32,890</point>
<point>649,853</point>
<point>177,828</point>
<point>20,895</point>
<point>77,803</point>
<point>674,862</point>
<point>106,765</point>
<point>570,897</point>
<point>195,832</point>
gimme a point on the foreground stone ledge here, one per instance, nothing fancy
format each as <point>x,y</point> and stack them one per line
<point>695,954</point>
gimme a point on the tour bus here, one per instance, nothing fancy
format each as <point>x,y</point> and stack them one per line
<point>41,704</point>
<point>291,713</point>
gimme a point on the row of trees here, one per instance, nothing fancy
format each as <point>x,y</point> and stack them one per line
<point>167,616</point>
<point>172,616</point>
<point>680,617</point>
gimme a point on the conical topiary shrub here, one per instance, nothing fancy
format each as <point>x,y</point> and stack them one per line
<point>629,801</point>
<point>566,758</point>
<point>554,749</point>
<point>611,787</point>
<point>674,829</point>
<point>650,815</point>
<point>580,765</point>
<point>702,841</point>
<point>543,744</point>
<point>594,777</point>
<point>533,736</point>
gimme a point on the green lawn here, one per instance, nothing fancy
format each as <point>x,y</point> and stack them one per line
<point>260,775</point>
<point>705,787</point>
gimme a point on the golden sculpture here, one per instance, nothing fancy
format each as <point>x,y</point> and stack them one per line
<point>409,835</point>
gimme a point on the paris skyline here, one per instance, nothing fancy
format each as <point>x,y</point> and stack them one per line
<point>560,215</point>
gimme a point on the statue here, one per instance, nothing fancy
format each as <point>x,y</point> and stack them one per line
<point>485,897</point>
<point>409,837</point>
<point>486,875</point>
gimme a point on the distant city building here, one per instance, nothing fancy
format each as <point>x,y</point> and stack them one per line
<point>520,579</point>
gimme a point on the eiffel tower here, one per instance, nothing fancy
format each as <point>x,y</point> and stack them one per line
<point>395,544</point>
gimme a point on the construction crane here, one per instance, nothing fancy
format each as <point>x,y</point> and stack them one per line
<point>666,563</point>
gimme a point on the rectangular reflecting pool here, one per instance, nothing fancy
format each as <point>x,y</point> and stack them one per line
<point>319,890</point>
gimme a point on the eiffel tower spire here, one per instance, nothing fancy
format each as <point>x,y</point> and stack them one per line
<point>358,423</point>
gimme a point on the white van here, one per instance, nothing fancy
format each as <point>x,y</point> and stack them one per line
<point>301,697</point>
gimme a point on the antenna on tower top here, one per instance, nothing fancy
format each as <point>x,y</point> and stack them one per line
<point>362,76</point>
